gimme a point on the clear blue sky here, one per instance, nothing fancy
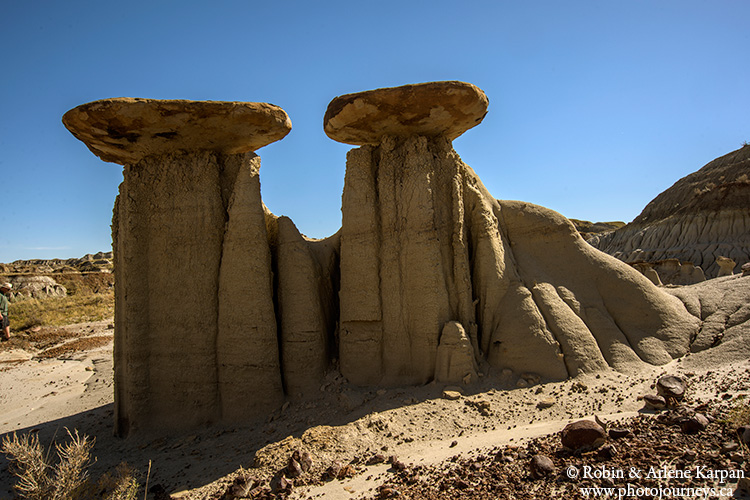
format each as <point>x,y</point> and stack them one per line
<point>595,106</point>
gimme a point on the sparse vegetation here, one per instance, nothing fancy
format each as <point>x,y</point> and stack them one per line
<point>67,478</point>
<point>59,311</point>
<point>90,297</point>
<point>739,414</point>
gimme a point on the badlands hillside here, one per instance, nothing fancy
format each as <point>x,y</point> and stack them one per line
<point>702,217</point>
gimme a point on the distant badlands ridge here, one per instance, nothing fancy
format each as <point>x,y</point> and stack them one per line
<point>100,262</point>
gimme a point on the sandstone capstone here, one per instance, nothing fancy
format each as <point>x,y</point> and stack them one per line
<point>124,130</point>
<point>429,109</point>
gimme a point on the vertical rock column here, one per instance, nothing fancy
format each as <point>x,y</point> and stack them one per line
<point>405,269</point>
<point>185,324</point>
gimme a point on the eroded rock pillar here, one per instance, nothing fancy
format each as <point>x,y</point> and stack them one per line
<point>195,328</point>
<point>405,268</point>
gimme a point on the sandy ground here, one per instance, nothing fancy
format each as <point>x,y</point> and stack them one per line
<point>418,425</point>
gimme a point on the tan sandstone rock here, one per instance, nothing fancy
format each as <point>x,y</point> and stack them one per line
<point>305,298</point>
<point>124,130</point>
<point>430,109</point>
<point>455,359</point>
<point>726,266</point>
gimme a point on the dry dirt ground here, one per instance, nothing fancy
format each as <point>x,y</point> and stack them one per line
<point>477,446</point>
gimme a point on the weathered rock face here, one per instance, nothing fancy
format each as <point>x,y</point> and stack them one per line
<point>423,243</point>
<point>455,361</point>
<point>306,273</point>
<point>214,295</point>
<point>723,306</point>
<point>701,217</point>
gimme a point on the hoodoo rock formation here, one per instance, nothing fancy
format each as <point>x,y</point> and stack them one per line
<point>423,243</point>
<point>195,319</point>
<point>224,309</point>
<point>703,216</point>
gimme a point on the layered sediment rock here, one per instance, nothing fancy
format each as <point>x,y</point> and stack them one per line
<point>306,273</point>
<point>703,216</point>
<point>196,334</point>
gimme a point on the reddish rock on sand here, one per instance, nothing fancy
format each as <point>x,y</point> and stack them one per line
<point>583,434</point>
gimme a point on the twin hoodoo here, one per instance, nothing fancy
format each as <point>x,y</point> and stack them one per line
<point>223,309</point>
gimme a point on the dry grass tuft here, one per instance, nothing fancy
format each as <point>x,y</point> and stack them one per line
<point>67,479</point>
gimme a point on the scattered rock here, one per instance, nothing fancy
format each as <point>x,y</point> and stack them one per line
<point>283,485</point>
<point>670,386</point>
<point>743,485</point>
<point>453,444</point>
<point>689,455</point>
<point>617,433</point>
<point>240,487</point>
<point>729,447</point>
<point>293,469</point>
<point>482,405</point>
<point>607,452</point>
<point>332,472</point>
<point>387,492</point>
<point>579,387</point>
<point>398,465</point>
<point>583,434</point>
<point>546,403</point>
<point>451,395</point>
<point>542,465</point>
<point>726,266</point>
<point>305,461</point>
<point>377,458</point>
<point>347,471</point>
<point>696,422</point>
<point>654,402</point>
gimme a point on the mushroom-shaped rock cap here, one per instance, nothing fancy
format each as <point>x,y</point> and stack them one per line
<point>124,130</point>
<point>430,109</point>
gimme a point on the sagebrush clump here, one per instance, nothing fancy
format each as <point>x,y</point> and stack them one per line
<point>67,478</point>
